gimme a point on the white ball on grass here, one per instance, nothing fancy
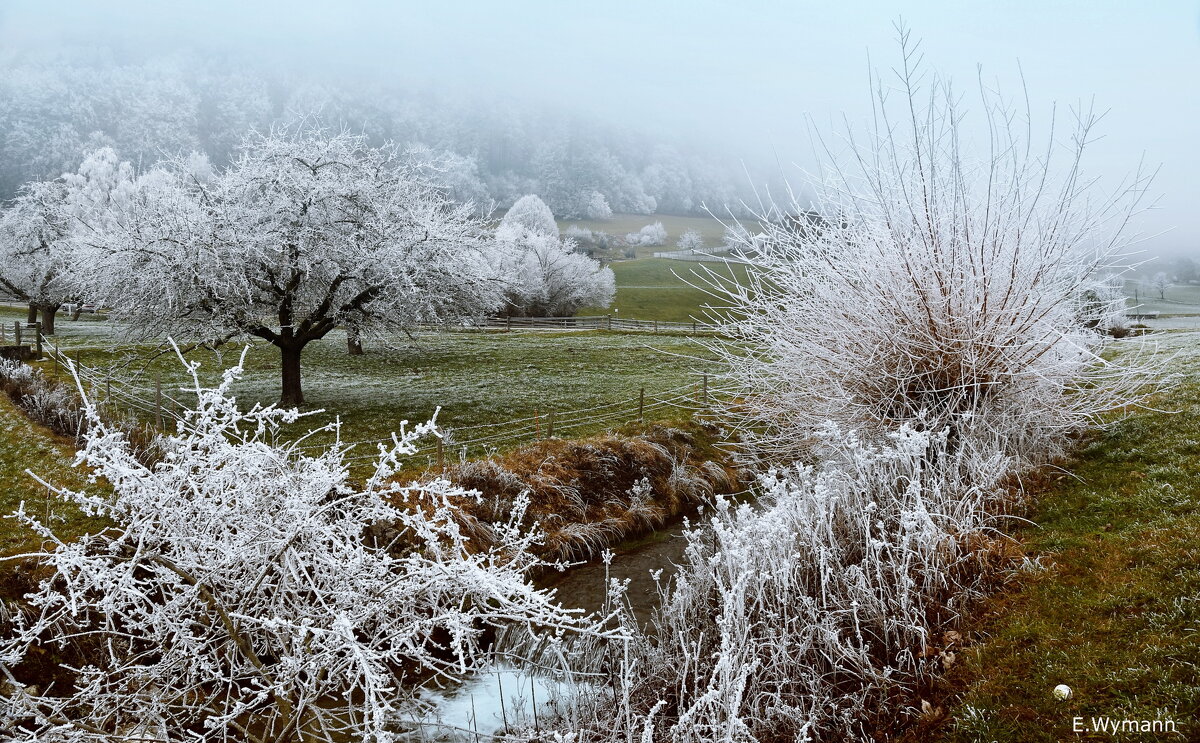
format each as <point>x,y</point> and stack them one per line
<point>1062,692</point>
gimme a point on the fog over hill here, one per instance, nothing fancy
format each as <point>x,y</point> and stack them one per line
<point>661,106</point>
<point>491,150</point>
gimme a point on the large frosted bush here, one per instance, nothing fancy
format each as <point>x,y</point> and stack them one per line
<point>939,285</point>
<point>248,591</point>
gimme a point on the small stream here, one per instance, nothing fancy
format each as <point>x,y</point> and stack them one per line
<point>585,588</point>
<point>508,697</point>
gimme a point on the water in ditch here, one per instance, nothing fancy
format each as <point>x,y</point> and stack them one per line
<point>508,697</point>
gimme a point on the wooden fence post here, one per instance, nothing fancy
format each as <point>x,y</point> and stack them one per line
<point>693,327</point>
<point>17,332</point>
<point>37,339</point>
<point>508,324</point>
<point>55,358</point>
<point>550,427</point>
<point>537,424</point>
<point>158,414</point>
<point>642,405</point>
<point>609,321</point>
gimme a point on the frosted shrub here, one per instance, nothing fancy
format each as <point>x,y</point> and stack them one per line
<point>15,372</point>
<point>938,286</point>
<point>578,234</point>
<point>543,275</point>
<point>247,591</point>
<point>597,207</point>
<point>44,401</point>
<point>690,240</point>
<point>799,615</point>
<point>1102,306</point>
<point>649,236</point>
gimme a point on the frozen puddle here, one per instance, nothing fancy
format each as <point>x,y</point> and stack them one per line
<point>504,698</point>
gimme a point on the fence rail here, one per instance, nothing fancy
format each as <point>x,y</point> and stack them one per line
<point>720,254</point>
<point>598,322</point>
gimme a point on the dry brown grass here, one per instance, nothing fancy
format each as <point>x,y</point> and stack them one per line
<point>589,494</point>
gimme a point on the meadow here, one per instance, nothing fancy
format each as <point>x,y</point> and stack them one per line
<point>665,289</point>
<point>477,379</point>
<point>1180,299</point>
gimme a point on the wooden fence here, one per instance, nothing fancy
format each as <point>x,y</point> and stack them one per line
<point>597,322</point>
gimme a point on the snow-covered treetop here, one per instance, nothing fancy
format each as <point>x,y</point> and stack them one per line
<point>531,213</point>
<point>690,240</point>
<point>303,232</point>
<point>37,258</point>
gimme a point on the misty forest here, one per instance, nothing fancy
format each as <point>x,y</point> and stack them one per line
<point>504,395</point>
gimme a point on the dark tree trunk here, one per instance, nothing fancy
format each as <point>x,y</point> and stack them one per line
<point>49,311</point>
<point>353,342</point>
<point>31,315</point>
<point>293,394</point>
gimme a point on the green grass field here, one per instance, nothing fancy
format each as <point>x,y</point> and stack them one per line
<point>1175,300</point>
<point>27,446</point>
<point>1116,613</point>
<point>477,378</point>
<point>664,289</point>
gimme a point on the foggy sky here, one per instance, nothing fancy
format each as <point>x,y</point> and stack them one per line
<point>739,77</point>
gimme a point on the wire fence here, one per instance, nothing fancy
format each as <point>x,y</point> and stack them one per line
<point>153,404</point>
<point>596,322</point>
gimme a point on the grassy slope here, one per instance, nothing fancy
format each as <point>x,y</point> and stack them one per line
<point>25,445</point>
<point>1176,299</point>
<point>1117,615</point>
<point>664,289</point>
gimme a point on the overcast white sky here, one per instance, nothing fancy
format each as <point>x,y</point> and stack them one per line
<point>740,76</point>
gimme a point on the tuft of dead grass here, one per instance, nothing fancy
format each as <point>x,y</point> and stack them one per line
<point>592,493</point>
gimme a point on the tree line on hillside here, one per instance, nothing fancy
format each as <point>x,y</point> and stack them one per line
<point>52,111</point>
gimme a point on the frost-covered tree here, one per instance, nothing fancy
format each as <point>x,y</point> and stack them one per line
<point>531,213</point>
<point>303,233</point>
<point>544,275</point>
<point>1160,283</point>
<point>690,240</point>
<point>942,289</point>
<point>248,591</point>
<point>33,250</point>
<point>1102,305</point>
<point>39,261</point>
<point>598,207</point>
<point>649,236</point>
<point>456,174</point>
